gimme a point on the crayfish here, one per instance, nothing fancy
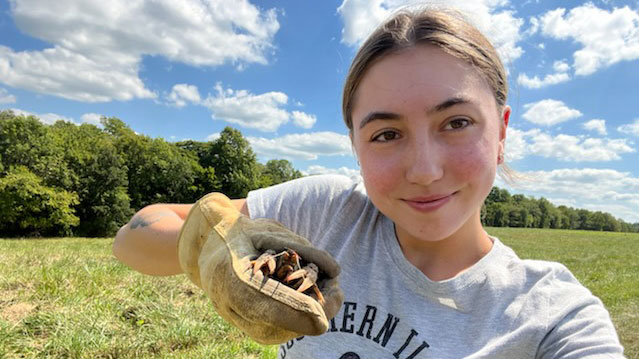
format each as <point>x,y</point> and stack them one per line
<point>286,267</point>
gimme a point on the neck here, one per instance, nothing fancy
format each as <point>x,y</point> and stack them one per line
<point>447,257</point>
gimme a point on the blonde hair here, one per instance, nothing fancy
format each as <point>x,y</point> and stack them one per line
<point>410,27</point>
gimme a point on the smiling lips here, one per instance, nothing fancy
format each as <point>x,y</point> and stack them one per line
<point>428,204</point>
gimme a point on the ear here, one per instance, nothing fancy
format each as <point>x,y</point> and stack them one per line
<point>503,126</point>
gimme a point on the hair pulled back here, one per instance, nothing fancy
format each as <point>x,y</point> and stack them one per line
<point>410,27</point>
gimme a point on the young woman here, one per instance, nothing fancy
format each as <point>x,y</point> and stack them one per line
<point>425,105</point>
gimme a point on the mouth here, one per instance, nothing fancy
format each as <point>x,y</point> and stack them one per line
<point>429,203</point>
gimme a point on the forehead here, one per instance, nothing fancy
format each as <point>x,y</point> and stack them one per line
<point>424,75</point>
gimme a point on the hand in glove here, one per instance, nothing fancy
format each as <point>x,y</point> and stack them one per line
<point>216,246</point>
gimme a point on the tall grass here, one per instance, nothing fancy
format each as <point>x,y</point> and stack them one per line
<point>69,298</point>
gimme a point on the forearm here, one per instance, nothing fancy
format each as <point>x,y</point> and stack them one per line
<point>148,243</point>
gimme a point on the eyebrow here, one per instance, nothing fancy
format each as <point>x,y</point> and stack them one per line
<point>378,116</point>
<point>448,104</point>
<point>381,115</point>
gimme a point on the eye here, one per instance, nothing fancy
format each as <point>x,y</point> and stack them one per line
<point>385,136</point>
<point>458,123</point>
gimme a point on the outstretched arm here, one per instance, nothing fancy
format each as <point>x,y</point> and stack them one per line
<point>148,243</point>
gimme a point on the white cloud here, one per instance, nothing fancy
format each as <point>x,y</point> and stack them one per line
<point>630,129</point>
<point>98,46</point>
<point>520,144</point>
<point>360,17</point>
<point>579,149</point>
<point>535,82</point>
<point>304,146</point>
<point>549,112</point>
<point>60,72</point>
<point>596,125</point>
<point>46,118</point>
<point>92,118</point>
<point>593,189</point>
<point>606,37</point>
<point>560,75</point>
<point>321,170</point>
<point>181,94</point>
<point>534,26</point>
<point>303,120</point>
<point>516,146</point>
<point>6,97</point>
<point>263,112</point>
<point>560,66</point>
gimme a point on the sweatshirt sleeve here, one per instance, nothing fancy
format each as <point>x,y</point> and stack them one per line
<point>579,327</point>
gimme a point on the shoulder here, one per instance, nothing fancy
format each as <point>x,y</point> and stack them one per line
<point>551,280</point>
<point>546,283</point>
<point>532,271</point>
<point>554,277</point>
<point>323,183</point>
<point>575,320</point>
<point>565,294</point>
<point>307,202</point>
<point>312,189</point>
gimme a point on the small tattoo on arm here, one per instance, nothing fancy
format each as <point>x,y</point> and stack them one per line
<point>147,220</point>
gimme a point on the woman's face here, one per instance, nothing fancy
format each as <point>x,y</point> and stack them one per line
<point>427,133</point>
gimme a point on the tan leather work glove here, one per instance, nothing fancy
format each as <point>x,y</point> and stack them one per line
<point>215,247</point>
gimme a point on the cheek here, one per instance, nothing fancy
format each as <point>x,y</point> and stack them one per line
<point>475,163</point>
<point>381,174</point>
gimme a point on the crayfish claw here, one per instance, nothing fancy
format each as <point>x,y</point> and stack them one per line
<point>307,283</point>
<point>320,297</point>
<point>295,275</point>
<point>286,267</point>
<point>265,261</point>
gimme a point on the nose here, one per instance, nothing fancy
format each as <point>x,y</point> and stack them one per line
<point>424,163</point>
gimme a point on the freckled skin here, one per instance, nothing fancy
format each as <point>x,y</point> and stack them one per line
<point>426,152</point>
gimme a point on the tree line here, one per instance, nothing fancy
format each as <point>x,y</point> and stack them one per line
<point>501,209</point>
<point>64,179</point>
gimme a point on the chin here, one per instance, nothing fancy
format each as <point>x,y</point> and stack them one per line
<point>434,231</point>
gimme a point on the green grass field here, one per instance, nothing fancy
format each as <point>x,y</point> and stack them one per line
<point>69,298</point>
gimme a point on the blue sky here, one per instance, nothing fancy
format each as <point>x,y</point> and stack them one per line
<point>274,70</point>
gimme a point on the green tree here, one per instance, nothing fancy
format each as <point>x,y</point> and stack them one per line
<point>235,164</point>
<point>611,223</point>
<point>518,217</point>
<point>25,141</point>
<point>548,213</point>
<point>30,208</point>
<point>596,221</point>
<point>98,176</point>
<point>572,217</point>
<point>584,216</point>
<point>498,195</point>
<point>279,171</point>
<point>157,171</point>
<point>501,215</point>
<point>200,149</point>
<point>206,180</point>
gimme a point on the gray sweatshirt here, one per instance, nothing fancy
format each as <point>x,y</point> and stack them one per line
<point>501,307</point>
